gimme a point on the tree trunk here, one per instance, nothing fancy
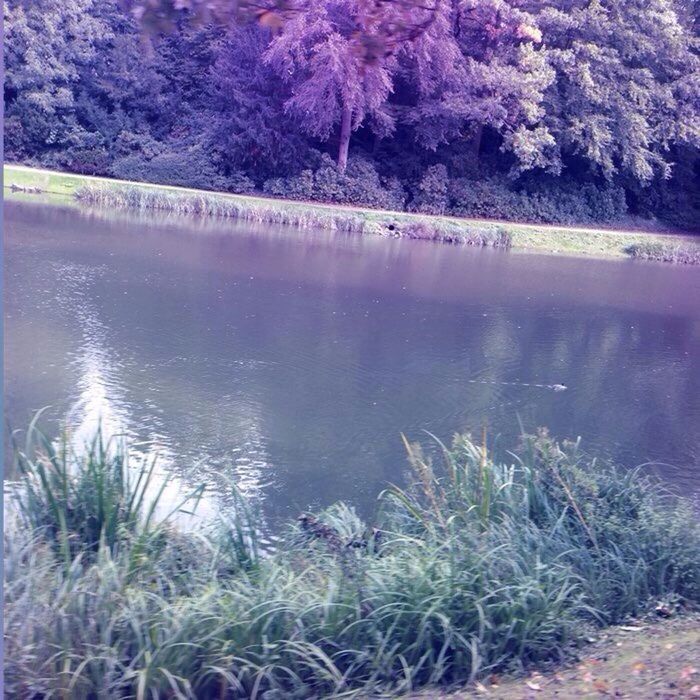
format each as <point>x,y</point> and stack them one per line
<point>476,146</point>
<point>345,127</point>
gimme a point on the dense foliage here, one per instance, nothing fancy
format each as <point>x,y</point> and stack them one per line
<point>478,567</point>
<point>538,110</point>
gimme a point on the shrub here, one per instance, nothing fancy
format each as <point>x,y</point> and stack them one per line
<point>488,199</point>
<point>676,200</point>
<point>541,201</point>
<point>189,167</point>
<point>14,139</point>
<point>87,161</point>
<point>432,190</point>
<point>567,201</point>
<point>360,184</point>
<point>607,203</point>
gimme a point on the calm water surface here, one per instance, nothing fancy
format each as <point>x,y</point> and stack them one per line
<point>291,361</point>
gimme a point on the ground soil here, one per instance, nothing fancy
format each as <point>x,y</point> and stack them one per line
<point>641,660</point>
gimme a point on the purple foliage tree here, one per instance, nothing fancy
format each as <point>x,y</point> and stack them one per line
<point>329,85</point>
<point>338,58</point>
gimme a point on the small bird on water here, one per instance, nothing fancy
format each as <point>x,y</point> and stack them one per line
<point>553,387</point>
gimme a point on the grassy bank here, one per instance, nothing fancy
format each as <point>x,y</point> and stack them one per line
<point>552,239</point>
<point>478,568</point>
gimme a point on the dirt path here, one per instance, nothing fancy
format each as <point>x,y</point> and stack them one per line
<point>657,660</point>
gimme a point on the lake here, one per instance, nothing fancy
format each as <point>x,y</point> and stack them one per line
<point>291,361</point>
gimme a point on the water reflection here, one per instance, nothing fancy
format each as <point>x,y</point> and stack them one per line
<point>289,362</point>
<point>102,408</point>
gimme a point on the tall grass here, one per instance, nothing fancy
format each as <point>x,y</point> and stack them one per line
<point>683,253</point>
<point>295,215</point>
<point>477,566</point>
<point>82,500</point>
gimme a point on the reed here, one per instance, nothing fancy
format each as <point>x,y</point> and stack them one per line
<point>295,215</point>
<point>478,566</point>
<point>684,253</point>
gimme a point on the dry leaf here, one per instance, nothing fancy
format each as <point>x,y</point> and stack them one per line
<point>532,685</point>
<point>639,667</point>
<point>601,686</point>
<point>481,688</point>
<point>688,671</point>
<point>270,19</point>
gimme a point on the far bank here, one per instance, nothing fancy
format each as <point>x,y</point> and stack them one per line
<point>42,185</point>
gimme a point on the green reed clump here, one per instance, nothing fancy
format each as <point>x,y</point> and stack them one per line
<point>77,501</point>
<point>291,214</point>
<point>477,566</point>
<point>626,537</point>
<point>683,253</point>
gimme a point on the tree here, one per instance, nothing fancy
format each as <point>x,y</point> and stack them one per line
<point>506,76</point>
<point>77,86</point>
<point>320,55</point>
<point>245,118</point>
<point>43,71</point>
<point>598,93</point>
<point>433,75</point>
<point>480,64</point>
<point>626,85</point>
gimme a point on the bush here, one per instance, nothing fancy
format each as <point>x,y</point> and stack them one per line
<point>87,161</point>
<point>360,184</point>
<point>567,201</point>
<point>431,195</point>
<point>470,569</point>
<point>14,140</point>
<point>487,199</point>
<point>675,201</point>
<point>543,201</point>
<point>188,167</point>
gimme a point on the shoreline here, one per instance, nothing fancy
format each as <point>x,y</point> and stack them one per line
<point>539,238</point>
